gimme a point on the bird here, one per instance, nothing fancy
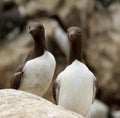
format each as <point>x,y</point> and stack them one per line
<point>36,73</point>
<point>75,87</point>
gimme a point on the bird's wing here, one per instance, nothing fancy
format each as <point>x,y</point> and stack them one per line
<point>15,80</point>
<point>56,88</point>
<point>94,89</point>
<point>54,91</point>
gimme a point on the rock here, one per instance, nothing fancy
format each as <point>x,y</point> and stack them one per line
<point>19,104</point>
<point>14,16</point>
<point>96,25</point>
<point>99,110</point>
<point>36,5</point>
<point>115,14</point>
<point>104,60</point>
<point>76,12</point>
<point>103,43</point>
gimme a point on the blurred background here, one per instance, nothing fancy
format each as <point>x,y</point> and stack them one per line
<point>100,20</point>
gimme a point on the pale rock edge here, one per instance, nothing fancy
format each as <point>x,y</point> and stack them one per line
<point>20,104</point>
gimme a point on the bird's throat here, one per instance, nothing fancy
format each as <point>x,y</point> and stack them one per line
<point>75,52</point>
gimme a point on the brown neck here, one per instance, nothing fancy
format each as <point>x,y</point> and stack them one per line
<point>39,45</point>
<point>75,52</point>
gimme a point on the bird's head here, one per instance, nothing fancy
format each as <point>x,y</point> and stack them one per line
<point>74,34</point>
<point>36,30</point>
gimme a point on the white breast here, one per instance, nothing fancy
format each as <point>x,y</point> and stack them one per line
<point>76,88</point>
<point>38,74</point>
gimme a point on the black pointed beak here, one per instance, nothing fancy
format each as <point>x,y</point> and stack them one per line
<point>31,29</point>
<point>71,36</point>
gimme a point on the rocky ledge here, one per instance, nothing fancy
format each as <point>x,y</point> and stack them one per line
<point>19,104</point>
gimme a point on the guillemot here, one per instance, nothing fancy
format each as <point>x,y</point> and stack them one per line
<point>75,87</point>
<point>36,74</point>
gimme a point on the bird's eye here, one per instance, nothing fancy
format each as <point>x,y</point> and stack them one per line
<point>79,33</point>
<point>40,27</point>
